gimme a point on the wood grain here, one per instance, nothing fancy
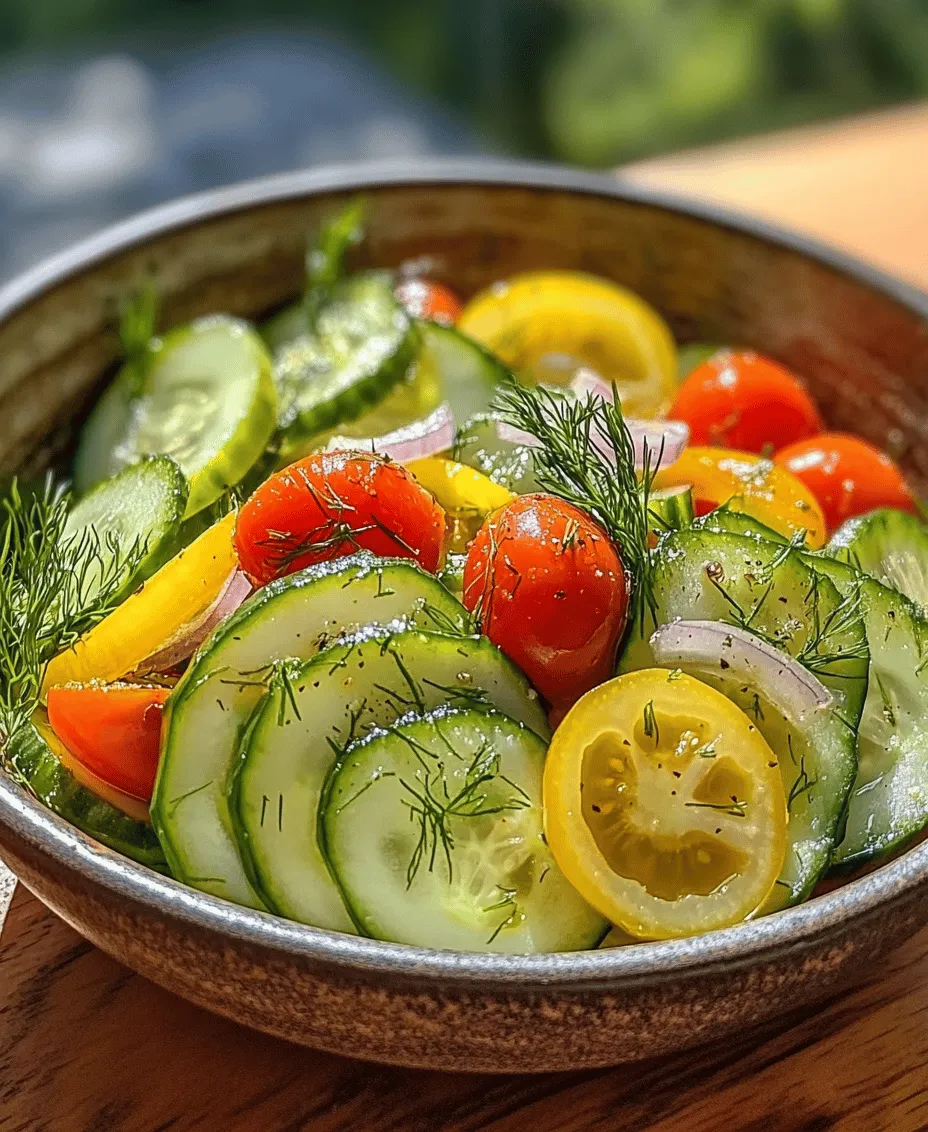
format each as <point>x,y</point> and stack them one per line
<point>87,1046</point>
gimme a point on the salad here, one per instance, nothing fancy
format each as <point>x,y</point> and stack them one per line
<point>501,625</point>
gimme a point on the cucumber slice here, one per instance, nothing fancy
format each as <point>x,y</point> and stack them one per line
<point>889,545</point>
<point>889,801</point>
<point>738,523</point>
<point>205,715</point>
<point>140,506</point>
<point>208,402</point>
<point>362,344</point>
<point>321,707</point>
<point>692,355</point>
<point>770,591</point>
<point>670,509</point>
<point>433,831</point>
<point>479,446</point>
<point>32,761</point>
<point>451,575</point>
<point>468,372</point>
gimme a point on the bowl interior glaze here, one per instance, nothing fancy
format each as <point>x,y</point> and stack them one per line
<point>861,341</point>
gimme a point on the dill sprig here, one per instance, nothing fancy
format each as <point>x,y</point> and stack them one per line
<point>586,457</point>
<point>325,258</point>
<point>54,587</point>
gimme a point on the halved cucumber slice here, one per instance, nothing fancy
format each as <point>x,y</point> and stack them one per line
<point>468,372</point>
<point>205,715</point>
<point>889,545</point>
<point>770,591</point>
<point>479,445</point>
<point>34,762</point>
<point>433,831</point>
<point>319,708</point>
<point>208,402</point>
<point>738,523</point>
<point>888,804</point>
<point>142,506</point>
<point>361,345</point>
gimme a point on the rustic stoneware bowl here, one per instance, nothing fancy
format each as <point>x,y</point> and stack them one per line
<point>860,339</point>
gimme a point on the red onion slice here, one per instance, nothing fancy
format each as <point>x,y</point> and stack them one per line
<point>716,649</point>
<point>188,640</point>
<point>428,437</point>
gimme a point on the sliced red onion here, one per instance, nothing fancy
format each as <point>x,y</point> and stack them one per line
<point>723,650</point>
<point>188,640</point>
<point>431,435</point>
<point>589,382</point>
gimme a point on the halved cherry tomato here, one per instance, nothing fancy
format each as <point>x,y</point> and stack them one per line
<point>847,476</point>
<point>746,401</point>
<point>424,298</point>
<point>331,504</point>
<point>750,484</point>
<point>551,592</point>
<point>114,730</point>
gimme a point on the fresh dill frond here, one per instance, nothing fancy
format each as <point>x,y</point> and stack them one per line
<point>325,258</point>
<point>586,456</point>
<point>54,587</point>
<point>649,722</point>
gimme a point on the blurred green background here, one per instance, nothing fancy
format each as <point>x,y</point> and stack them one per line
<point>589,81</point>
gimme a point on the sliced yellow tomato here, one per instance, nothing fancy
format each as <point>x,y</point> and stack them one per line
<point>750,484</point>
<point>664,806</point>
<point>178,595</point>
<point>547,324</point>
<point>467,495</point>
<point>134,807</point>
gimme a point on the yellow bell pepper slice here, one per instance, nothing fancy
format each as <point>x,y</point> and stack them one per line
<point>750,484</point>
<point>548,324</point>
<point>134,807</point>
<point>178,595</point>
<point>664,806</point>
<point>467,495</point>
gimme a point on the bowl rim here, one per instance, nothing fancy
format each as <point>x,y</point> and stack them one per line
<point>746,943</point>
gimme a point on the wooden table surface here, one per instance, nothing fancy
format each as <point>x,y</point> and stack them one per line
<point>87,1046</point>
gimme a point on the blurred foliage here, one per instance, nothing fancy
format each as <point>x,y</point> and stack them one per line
<point>592,81</point>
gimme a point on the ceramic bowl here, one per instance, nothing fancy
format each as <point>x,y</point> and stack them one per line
<point>860,339</point>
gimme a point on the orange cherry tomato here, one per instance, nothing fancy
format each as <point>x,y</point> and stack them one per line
<point>738,399</point>
<point>550,589</point>
<point>424,298</point>
<point>331,504</point>
<point>846,475</point>
<point>114,731</point>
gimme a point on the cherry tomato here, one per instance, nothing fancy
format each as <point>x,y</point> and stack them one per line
<point>114,731</point>
<point>745,401</point>
<point>424,298</point>
<point>846,475</point>
<point>331,504</point>
<point>550,589</point>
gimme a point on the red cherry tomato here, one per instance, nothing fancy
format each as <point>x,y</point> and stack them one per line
<point>743,400</point>
<point>846,475</point>
<point>424,298</point>
<point>331,504</point>
<point>550,589</point>
<point>114,731</point>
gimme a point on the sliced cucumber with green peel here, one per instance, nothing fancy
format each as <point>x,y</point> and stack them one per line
<point>693,354</point>
<point>360,346</point>
<point>140,507</point>
<point>208,401</point>
<point>889,545</point>
<point>889,801</point>
<point>670,509</point>
<point>770,591</point>
<point>319,708</point>
<point>738,523</point>
<point>451,574</point>
<point>467,372</point>
<point>433,830</point>
<point>34,762</point>
<point>479,445</point>
<point>204,718</point>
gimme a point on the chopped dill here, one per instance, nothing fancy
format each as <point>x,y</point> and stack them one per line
<point>649,721</point>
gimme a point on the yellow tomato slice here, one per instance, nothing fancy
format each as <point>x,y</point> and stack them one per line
<point>750,484</point>
<point>664,806</point>
<point>178,595</point>
<point>90,781</point>
<point>467,495</point>
<point>547,324</point>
